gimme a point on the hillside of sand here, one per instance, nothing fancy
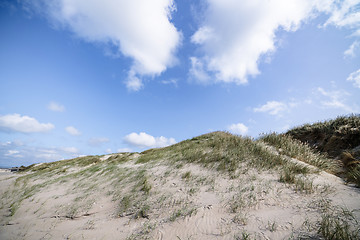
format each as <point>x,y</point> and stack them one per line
<point>215,186</point>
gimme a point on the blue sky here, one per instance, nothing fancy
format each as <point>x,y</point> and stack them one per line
<point>96,77</point>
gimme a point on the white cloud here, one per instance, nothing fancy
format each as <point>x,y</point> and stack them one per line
<point>96,142</point>
<point>139,29</point>
<point>197,71</point>
<point>234,36</point>
<point>108,150</point>
<point>170,81</point>
<point>133,83</point>
<point>238,128</point>
<point>56,107</point>
<point>72,131</point>
<point>355,78</point>
<point>25,124</point>
<point>202,35</point>
<point>13,153</point>
<point>145,140</point>
<point>46,154</point>
<point>70,150</point>
<point>124,150</point>
<point>335,99</point>
<point>344,14</point>
<point>272,107</point>
<point>351,51</point>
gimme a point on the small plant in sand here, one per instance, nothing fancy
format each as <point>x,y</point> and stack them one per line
<point>183,212</point>
<point>338,227</point>
<point>243,236</point>
<point>304,185</point>
<point>240,218</point>
<point>187,175</point>
<point>272,226</point>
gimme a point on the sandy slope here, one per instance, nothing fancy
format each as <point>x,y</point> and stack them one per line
<point>184,202</point>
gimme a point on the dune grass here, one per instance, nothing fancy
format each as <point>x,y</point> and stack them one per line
<point>344,125</point>
<point>218,150</point>
<point>301,151</point>
<point>339,139</point>
<point>338,224</point>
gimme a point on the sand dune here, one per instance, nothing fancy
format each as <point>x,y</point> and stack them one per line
<point>117,199</point>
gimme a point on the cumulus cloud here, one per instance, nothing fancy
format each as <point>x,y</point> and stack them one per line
<point>272,107</point>
<point>72,131</point>
<point>96,142</point>
<point>56,107</point>
<point>234,36</point>
<point>139,29</point>
<point>355,78</point>
<point>351,51</point>
<point>238,128</point>
<point>25,124</point>
<point>143,140</point>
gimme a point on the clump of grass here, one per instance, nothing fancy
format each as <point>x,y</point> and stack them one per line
<point>183,212</point>
<point>290,171</point>
<point>243,236</point>
<point>143,183</point>
<point>186,175</point>
<point>272,226</point>
<point>125,203</point>
<point>240,218</point>
<point>299,150</point>
<point>352,166</point>
<point>144,212</point>
<point>243,199</point>
<point>287,177</point>
<point>304,185</point>
<point>146,186</point>
<point>143,233</point>
<point>334,227</point>
<point>353,175</point>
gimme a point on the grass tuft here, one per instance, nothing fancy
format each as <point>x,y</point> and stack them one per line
<point>335,227</point>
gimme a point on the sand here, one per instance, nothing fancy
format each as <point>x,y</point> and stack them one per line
<point>203,204</point>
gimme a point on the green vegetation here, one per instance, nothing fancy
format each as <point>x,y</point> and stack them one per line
<point>218,150</point>
<point>183,212</point>
<point>332,136</point>
<point>296,149</point>
<point>336,225</point>
<point>339,139</point>
<point>186,175</point>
